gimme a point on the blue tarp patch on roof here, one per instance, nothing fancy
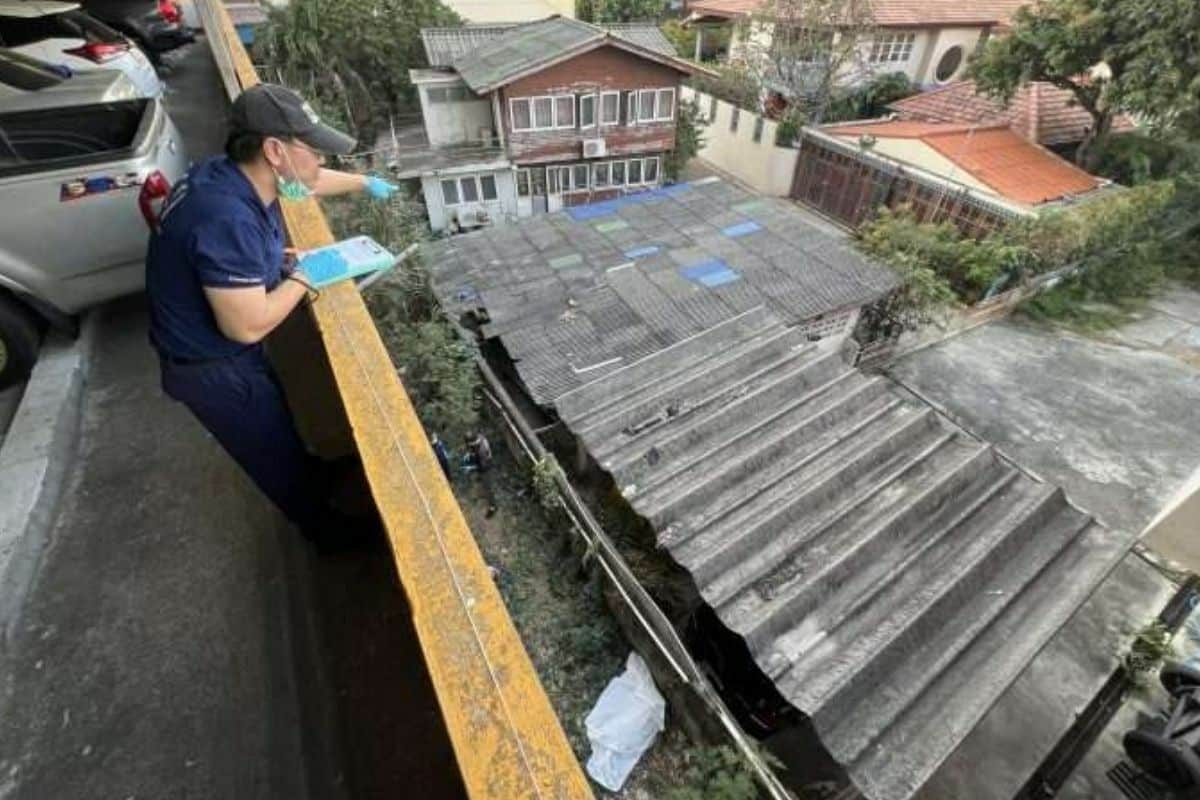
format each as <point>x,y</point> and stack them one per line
<point>592,210</point>
<point>604,207</point>
<point>710,273</point>
<point>741,229</point>
<point>639,252</point>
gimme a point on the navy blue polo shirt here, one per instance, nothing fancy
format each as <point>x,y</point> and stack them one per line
<point>214,231</point>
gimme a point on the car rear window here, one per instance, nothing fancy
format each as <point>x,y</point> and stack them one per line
<point>67,134</point>
<point>18,31</point>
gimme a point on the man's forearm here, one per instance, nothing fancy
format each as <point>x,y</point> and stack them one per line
<point>280,302</point>
<point>331,182</point>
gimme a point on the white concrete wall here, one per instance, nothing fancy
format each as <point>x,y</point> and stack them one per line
<point>753,40</point>
<point>763,166</point>
<point>510,10</point>
<point>454,122</point>
<point>939,41</point>
<point>916,152</point>
<point>500,211</point>
<point>910,67</point>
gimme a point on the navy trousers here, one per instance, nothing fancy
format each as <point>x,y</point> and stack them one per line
<point>241,403</point>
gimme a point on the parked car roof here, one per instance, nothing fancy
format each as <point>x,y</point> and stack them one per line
<point>31,9</point>
<point>19,71</point>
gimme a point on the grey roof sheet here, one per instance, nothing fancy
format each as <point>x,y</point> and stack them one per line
<point>889,572</point>
<point>537,277</point>
<point>487,54</point>
<point>443,45</point>
<point>522,49</point>
<point>644,34</point>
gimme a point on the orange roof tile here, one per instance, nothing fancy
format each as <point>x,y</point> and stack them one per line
<point>915,13</point>
<point>893,13</point>
<point>994,155</point>
<point>1039,111</point>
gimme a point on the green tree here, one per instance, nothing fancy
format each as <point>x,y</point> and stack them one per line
<point>1156,43</point>
<point>619,10</point>
<point>803,49</point>
<point>871,99</point>
<point>351,57</point>
<point>690,122</point>
<point>1063,42</point>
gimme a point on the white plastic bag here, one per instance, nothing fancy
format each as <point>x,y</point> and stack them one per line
<point>623,724</point>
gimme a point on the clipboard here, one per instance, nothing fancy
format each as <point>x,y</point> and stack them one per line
<point>360,255</point>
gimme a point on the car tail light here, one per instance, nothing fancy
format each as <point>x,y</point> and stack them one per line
<point>99,52</point>
<point>155,188</point>
<point>169,11</point>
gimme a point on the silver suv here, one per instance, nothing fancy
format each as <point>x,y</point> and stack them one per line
<point>84,163</point>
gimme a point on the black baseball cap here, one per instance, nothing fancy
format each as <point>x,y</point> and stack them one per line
<point>273,110</point>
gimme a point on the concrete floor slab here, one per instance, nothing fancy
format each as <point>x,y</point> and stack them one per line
<point>1118,427</point>
<point>145,659</point>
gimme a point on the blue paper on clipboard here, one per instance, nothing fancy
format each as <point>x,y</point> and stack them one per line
<point>348,258</point>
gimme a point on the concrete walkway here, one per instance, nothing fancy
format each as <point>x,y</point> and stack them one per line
<point>152,655</point>
<point>176,638</point>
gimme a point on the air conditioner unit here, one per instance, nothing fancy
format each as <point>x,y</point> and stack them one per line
<point>594,148</point>
<point>471,217</point>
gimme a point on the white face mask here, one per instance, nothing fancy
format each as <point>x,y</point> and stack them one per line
<point>295,189</point>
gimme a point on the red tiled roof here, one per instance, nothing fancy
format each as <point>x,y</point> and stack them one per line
<point>995,155</point>
<point>945,12</point>
<point>728,9</point>
<point>893,13</point>
<point>1039,111</point>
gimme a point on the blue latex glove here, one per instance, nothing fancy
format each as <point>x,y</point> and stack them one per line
<point>323,268</point>
<point>379,189</point>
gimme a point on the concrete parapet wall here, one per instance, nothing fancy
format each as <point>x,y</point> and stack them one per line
<point>761,164</point>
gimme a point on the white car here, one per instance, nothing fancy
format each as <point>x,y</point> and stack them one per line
<point>85,165</point>
<point>60,33</point>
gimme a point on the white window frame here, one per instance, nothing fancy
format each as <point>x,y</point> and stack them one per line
<point>641,181</point>
<point>600,111</point>
<point>594,100</point>
<point>558,98</point>
<point>657,170</point>
<point>653,105</point>
<point>587,179</point>
<point>658,105</point>
<point>532,101</point>
<point>655,114</point>
<point>475,179</point>
<point>892,48</point>
<point>596,184</point>
<point>512,113</point>
<point>483,198</point>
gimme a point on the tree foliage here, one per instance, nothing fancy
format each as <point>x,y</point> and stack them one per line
<point>1112,55</point>
<point>619,10</point>
<point>870,99</point>
<point>1114,250</point>
<point>803,49</point>
<point>690,123</point>
<point>351,57</point>
<point>435,365</point>
<point>715,773</point>
<point>716,40</point>
<point>1061,42</point>
<point>734,84</point>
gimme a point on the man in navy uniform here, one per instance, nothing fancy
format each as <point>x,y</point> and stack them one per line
<point>218,283</point>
